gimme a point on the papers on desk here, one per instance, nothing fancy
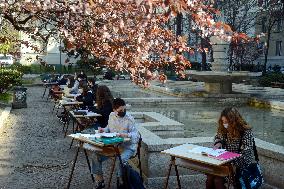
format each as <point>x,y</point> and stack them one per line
<point>108,135</point>
<point>92,114</point>
<point>74,95</point>
<point>93,136</point>
<point>68,99</point>
<point>98,138</point>
<point>220,154</point>
<point>207,151</point>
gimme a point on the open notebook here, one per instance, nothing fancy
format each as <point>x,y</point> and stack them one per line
<point>220,154</point>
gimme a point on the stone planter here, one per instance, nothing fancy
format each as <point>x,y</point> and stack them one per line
<point>19,97</point>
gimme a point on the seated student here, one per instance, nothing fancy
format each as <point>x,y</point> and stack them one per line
<point>104,105</point>
<point>232,130</point>
<point>63,80</point>
<point>70,81</point>
<point>123,124</point>
<point>93,86</point>
<point>77,84</point>
<point>87,98</point>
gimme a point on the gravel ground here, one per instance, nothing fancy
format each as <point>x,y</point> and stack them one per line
<point>34,152</point>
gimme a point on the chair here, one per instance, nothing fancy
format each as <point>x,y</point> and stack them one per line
<point>138,155</point>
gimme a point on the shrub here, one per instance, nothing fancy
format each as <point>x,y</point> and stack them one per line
<point>271,77</point>
<point>9,78</point>
<point>6,97</point>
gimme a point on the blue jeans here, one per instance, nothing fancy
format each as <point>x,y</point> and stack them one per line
<point>96,166</point>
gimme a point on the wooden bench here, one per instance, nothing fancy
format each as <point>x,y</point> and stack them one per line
<point>277,85</point>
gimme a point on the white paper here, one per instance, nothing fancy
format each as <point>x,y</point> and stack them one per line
<point>82,111</point>
<point>108,134</point>
<point>208,151</point>
<point>92,114</point>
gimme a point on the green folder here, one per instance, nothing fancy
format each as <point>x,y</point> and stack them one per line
<point>112,140</point>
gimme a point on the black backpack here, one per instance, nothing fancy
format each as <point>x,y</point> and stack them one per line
<point>131,178</point>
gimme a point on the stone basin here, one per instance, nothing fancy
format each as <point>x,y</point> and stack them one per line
<point>218,82</point>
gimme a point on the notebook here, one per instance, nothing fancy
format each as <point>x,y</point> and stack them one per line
<point>227,156</point>
<point>112,140</point>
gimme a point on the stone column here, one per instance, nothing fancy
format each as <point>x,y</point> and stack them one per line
<point>220,48</point>
<point>224,87</point>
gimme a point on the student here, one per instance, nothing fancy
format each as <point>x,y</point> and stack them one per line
<point>70,81</point>
<point>75,88</point>
<point>232,129</point>
<point>93,86</point>
<point>63,80</point>
<point>87,98</point>
<point>123,124</point>
<point>104,100</point>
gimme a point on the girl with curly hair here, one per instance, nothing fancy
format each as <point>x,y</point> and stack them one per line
<point>232,131</point>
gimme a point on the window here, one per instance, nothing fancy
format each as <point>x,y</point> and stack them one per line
<point>263,25</point>
<point>279,25</point>
<point>279,48</point>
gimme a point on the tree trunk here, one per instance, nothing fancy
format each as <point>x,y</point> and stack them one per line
<point>179,24</point>
<point>231,50</point>
<point>266,51</point>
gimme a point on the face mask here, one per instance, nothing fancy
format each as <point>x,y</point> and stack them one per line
<point>121,114</point>
<point>226,125</point>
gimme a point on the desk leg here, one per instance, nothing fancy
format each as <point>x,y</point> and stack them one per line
<point>44,91</point>
<point>73,167</point>
<point>169,172</point>
<point>88,162</point>
<point>177,175</point>
<point>66,124</point>
<point>76,129</point>
<point>172,163</point>
<point>73,126</point>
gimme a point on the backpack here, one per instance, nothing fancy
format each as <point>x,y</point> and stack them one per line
<point>131,178</point>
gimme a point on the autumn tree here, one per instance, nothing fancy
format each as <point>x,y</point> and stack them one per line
<point>124,33</point>
<point>241,17</point>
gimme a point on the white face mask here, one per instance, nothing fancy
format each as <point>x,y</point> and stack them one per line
<point>226,125</point>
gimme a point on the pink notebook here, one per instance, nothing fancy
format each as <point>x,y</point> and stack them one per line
<point>227,156</point>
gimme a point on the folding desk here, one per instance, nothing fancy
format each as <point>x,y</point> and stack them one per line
<point>197,162</point>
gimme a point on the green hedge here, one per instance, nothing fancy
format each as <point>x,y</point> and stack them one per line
<point>267,79</point>
<point>9,78</point>
<point>6,97</point>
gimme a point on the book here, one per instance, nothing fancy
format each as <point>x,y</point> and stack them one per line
<point>112,140</point>
<point>227,156</point>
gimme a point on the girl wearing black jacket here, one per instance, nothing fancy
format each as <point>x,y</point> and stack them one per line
<point>87,98</point>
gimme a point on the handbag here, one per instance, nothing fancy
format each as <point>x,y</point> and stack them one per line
<point>250,177</point>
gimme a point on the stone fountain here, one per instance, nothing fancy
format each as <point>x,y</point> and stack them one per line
<point>219,80</point>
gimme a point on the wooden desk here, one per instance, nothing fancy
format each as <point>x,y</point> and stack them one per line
<point>88,115</point>
<point>197,162</point>
<point>101,147</point>
<point>75,119</point>
<point>70,103</point>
